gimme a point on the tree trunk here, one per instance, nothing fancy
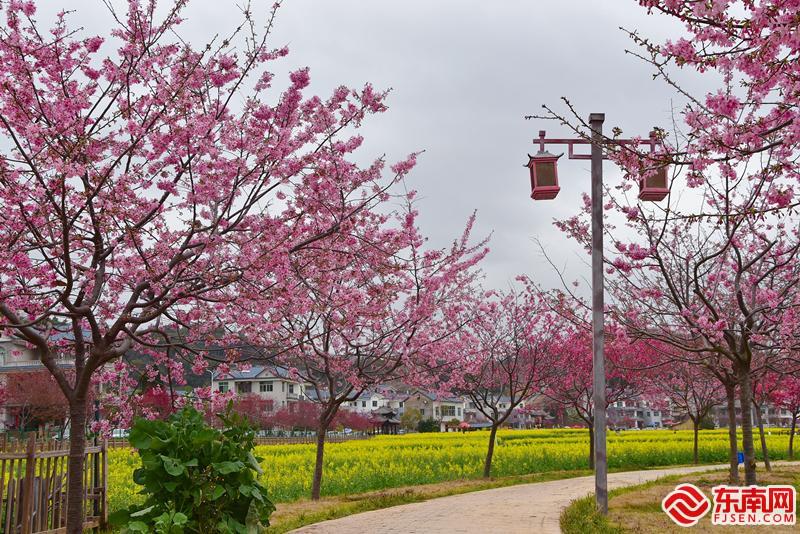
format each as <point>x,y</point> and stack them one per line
<point>591,447</point>
<point>316,485</point>
<point>733,446</point>
<point>746,402</point>
<point>791,435</point>
<point>764,451</point>
<point>487,466</point>
<point>695,449</point>
<point>77,452</point>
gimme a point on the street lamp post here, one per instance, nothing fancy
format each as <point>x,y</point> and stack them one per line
<point>544,184</point>
<point>598,290</point>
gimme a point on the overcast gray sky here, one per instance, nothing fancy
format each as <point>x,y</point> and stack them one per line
<point>464,73</point>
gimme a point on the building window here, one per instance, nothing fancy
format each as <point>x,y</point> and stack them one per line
<point>244,387</point>
<point>422,411</point>
<point>291,388</point>
<point>374,404</point>
<point>448,411</point>
<point>401,404</point>
<point>265,387</point>
<point>458,410</point>
<point>363,404</point>
<point>222,387</point>
<point>648,414</point>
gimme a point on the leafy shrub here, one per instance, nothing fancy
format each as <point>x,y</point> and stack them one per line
<point>428,425</point>
<point>707,423</point>
<point>196,478</point>
<point>410,419</point>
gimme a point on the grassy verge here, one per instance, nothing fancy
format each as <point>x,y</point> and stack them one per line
<point>637,509</point>
<point>581,517</point>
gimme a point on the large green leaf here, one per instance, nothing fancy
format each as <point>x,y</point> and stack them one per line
<point>203,436</point>
<point>140,439</point>
<point>138,526</point>
<point>227,467</point>
<point>143,511</point>
<point>253,461</point>
<point>172,466</point>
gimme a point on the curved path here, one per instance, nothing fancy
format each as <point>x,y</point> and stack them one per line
<point>526,508</point>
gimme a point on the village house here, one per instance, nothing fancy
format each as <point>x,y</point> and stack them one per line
<point>527,414</point>
<point>771,415</point>
<point>366,403</point>
<point>381,397</point>
<point>444,409</point>
<point>16,356</point>
<point>636,413</point>
<point>270,383</point>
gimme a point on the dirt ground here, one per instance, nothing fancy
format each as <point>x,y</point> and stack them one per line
<point>640,511</point>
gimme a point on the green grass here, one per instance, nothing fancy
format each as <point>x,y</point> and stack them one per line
<point>581,517</point>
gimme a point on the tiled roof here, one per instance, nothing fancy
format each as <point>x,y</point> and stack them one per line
<point>311,393</point>
<point>255,371</point>
<point>432,395</point>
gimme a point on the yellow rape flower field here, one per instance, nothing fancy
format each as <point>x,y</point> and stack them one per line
<point>391,461</point>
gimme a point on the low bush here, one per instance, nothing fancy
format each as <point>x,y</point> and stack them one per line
<point>196,478</point>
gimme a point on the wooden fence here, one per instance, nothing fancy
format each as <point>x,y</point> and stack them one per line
<point>33,486</point>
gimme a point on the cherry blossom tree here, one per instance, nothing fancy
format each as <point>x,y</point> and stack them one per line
<point>788,398</point>
<point>302,415</point>
<point>690,388</point>
<point>572,386</point>
<point>743,136</point>
<point>143,179</point>
<point>752,48</point>
<point>714,271</point>
<point>722,288</point>
<point>254,408</point>
<point>723,292</point>
<point>354,421</point>
<point>156,403</point>
<point>513,356</point>
<point>371,307</point>
<point>765,384</point>
<point>34,397</point>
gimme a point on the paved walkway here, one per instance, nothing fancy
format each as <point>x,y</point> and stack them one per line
<point>527,508</point>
